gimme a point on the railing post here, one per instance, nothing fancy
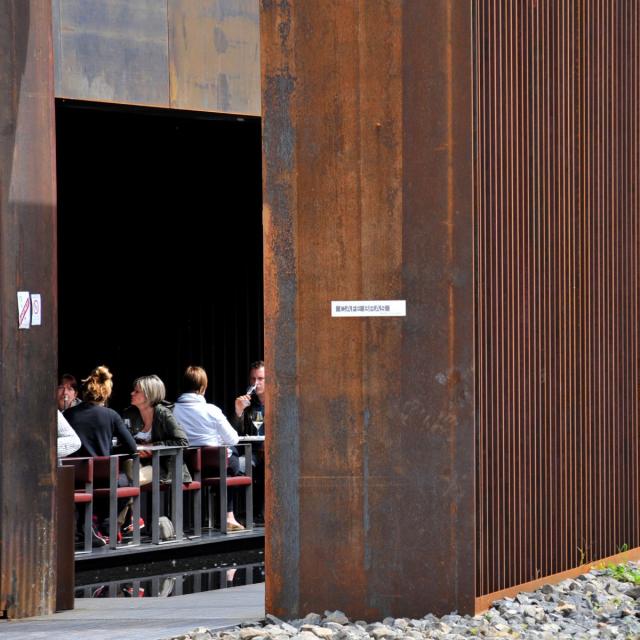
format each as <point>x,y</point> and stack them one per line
<point>113,502</point>
<point>135,509</point>
<point>222,457</point>
<point>176,495</point>
<point>248,471</point>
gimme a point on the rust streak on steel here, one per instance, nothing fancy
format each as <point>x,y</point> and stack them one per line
<point>27,263</point>
<point>282,552</point>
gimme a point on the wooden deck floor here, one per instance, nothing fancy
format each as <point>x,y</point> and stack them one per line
<point>142,618</point>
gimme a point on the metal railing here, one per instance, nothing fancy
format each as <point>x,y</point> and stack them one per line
<point>111,488</point>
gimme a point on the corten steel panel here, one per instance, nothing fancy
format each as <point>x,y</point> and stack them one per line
<point>65,560</point>
<point>214,55</point>
<point>367,156</point>
<point>188,54</point>
<point>557,142</point>
<point>112,50</point>
<point>28,357</point>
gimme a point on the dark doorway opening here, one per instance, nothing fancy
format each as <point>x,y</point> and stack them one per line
<point>159,246</point>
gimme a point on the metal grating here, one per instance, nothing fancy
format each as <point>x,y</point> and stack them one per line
<point>556,110</point>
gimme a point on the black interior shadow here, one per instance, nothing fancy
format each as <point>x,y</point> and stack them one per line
<point>160,246</point>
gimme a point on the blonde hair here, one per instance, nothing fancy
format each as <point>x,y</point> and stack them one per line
<point>152,388</point>
<point>97,387</point>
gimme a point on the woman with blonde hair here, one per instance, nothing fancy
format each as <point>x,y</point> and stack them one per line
<point>95,424</point>
<point>152,423</point>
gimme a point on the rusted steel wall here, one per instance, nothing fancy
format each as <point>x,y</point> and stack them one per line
<point>186,54</point>
<point>214,55</point>
<point>367,184</point>
<point>557,138</point>
<point>27,263</point>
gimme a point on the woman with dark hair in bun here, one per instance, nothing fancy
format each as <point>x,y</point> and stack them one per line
<point>95,424</point>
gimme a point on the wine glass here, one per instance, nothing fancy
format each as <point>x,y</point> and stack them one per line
<point>257,418</point>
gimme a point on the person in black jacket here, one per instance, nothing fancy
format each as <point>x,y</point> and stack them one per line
<point>95,424</point>
<point>152,423</point>
<point>247,407</point>
<point>248,403</point>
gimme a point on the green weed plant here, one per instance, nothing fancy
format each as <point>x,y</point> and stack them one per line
<point>624,573</point>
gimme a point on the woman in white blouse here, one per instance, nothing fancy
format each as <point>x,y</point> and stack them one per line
<point>206,425</point>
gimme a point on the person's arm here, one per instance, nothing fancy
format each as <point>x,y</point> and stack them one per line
<point>239,422</point>
<point>227,433</point>
<point>241,403</point>
<point>68,440</point>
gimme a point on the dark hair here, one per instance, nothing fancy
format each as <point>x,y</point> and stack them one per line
<point>256,365</point>
<point>194,379</point>
<point>67,378</point>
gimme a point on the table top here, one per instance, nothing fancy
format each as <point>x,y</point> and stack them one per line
<point>251,438</point>
<point>159,447</point>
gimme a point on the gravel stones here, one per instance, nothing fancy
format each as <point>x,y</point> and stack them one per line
<point>320,632</point>
<point>247,633</point>
<point>593,606</point>
<point>336,616</point>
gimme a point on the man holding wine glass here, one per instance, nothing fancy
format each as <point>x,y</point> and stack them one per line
<point>249,421</point>
<point>250,406</point>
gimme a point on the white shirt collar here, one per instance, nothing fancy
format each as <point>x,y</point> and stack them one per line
<point>191,397</point>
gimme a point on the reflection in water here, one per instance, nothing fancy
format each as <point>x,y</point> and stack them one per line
<point>163,580</point>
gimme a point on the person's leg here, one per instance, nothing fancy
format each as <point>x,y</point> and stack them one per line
<point>125,479</point>
<point>146,474</point>
<point>233,469</point>
<point>258,487</point>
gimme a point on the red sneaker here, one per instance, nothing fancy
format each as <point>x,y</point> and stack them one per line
<point>128,530</point>
<point>98,540</point>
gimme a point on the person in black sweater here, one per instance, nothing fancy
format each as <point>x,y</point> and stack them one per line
<point>95,424</point>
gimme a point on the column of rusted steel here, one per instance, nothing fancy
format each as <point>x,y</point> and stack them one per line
<point>367,156</point>
<point>437,113</point>
<point>28,356</point>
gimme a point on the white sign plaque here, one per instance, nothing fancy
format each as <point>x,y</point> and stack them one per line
<point>363,308</point>
<point>24,310</point>
<point>36,309</point>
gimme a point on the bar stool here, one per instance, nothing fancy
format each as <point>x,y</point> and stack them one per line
<point>83,492</point>
<point>214,476</point>
<point>106,470</point>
